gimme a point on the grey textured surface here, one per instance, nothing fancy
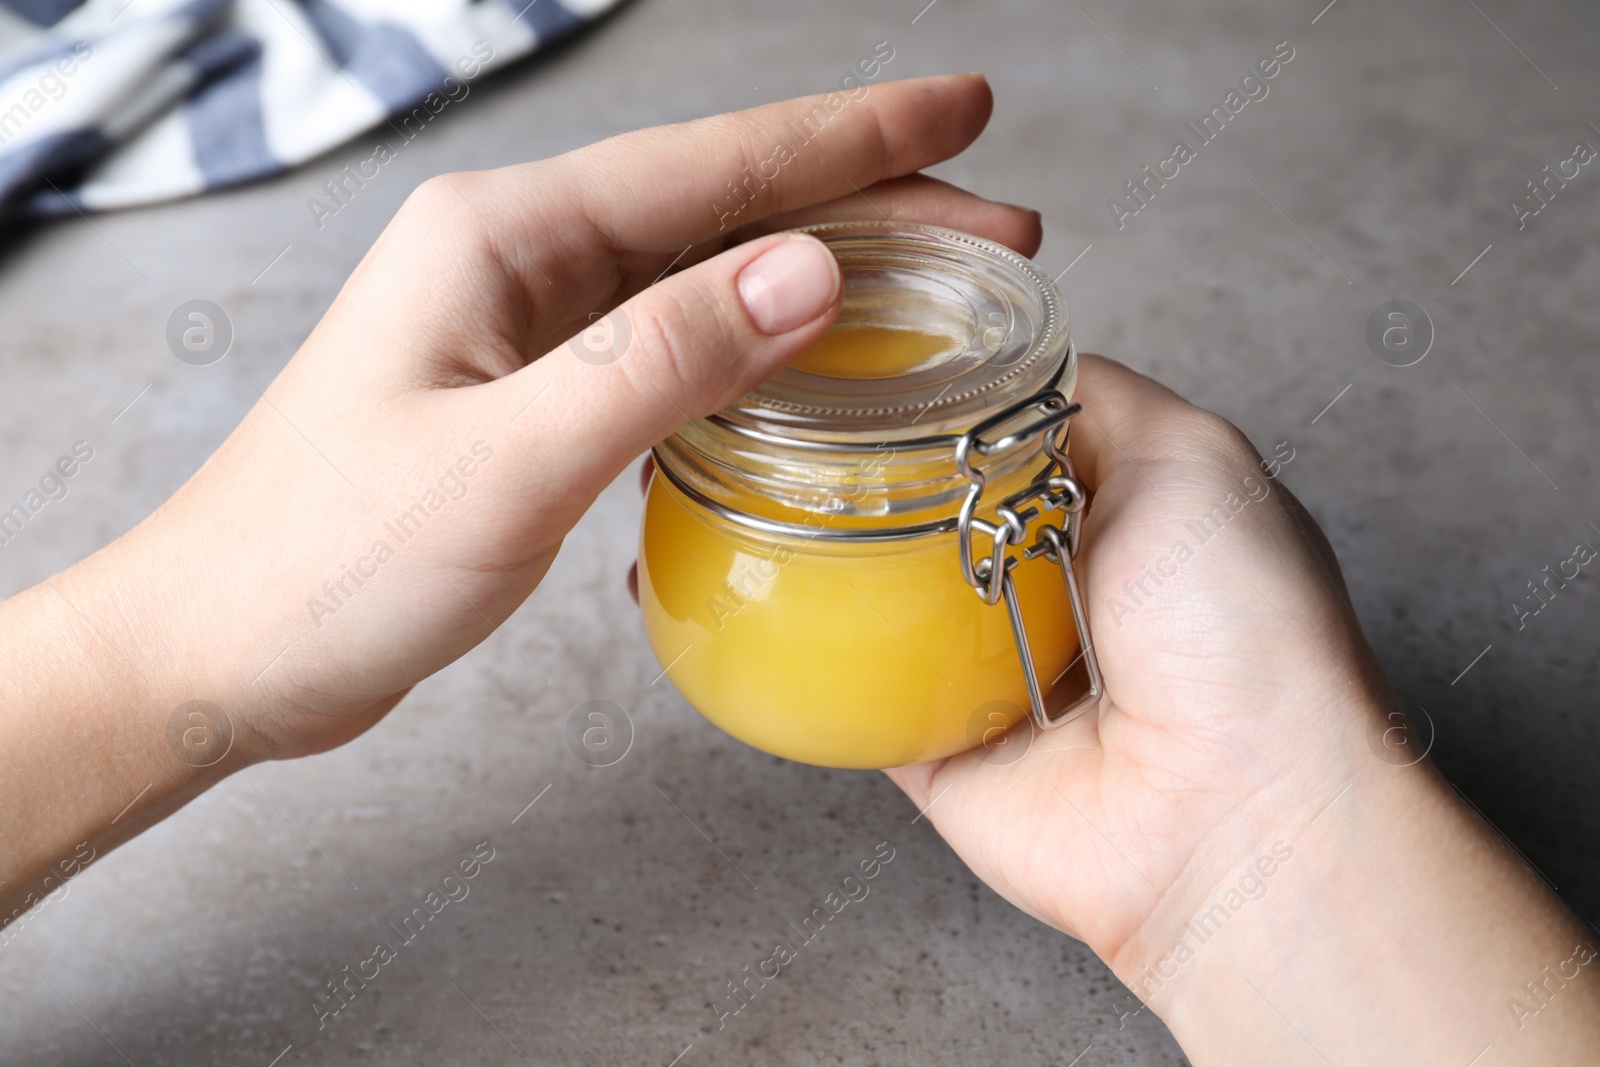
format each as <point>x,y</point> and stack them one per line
<point>606,922</point>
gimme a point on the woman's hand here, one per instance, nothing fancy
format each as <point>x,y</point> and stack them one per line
<point>1241,831</point>
<point>406,481</point>
<point>1231,657</point>
<point>463,369</point>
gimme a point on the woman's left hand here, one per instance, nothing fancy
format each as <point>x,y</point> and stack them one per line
<point>405,482</point>
<point>462,379</point>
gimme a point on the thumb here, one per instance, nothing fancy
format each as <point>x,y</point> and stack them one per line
<point>677,351</point>
<point>1127,421</point>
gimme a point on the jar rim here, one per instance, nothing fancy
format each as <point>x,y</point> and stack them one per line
<point>884,452</point>
<point>1015,342</point>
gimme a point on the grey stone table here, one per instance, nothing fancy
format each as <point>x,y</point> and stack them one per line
<point>1381,165</point>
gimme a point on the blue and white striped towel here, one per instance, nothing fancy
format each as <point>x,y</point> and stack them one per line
<point>110,103</point>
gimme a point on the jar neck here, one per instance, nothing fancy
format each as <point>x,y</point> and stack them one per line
<point>903,482</point>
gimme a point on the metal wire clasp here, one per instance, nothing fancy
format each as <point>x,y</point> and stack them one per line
<point>1056,489</point>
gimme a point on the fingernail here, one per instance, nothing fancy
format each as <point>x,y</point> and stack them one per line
<point>789,285</point>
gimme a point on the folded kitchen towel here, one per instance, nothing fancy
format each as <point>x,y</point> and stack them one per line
<point>110,103</point>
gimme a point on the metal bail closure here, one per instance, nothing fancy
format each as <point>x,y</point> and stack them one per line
<point>1078,688</point>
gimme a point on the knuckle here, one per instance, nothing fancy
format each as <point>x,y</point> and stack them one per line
<point>878,141</point>
<point>670,331</point>
<point>431,194</point>
<point>465,213</point>
<point>444,199</point>
<point>753,145</point>
<point>1217,438</point>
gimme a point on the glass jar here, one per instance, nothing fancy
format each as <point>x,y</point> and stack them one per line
<point>822,565</point>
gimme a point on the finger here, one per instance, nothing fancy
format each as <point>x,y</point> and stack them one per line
<point>646,469</point>
<point>678,351</point>
<point>918,198</point>
<point>913,198</point>
<point>667,188</point>
<point>915,780</point>
<point>1127,420</point>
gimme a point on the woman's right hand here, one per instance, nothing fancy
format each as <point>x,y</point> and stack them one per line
<point>1236,831</point>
